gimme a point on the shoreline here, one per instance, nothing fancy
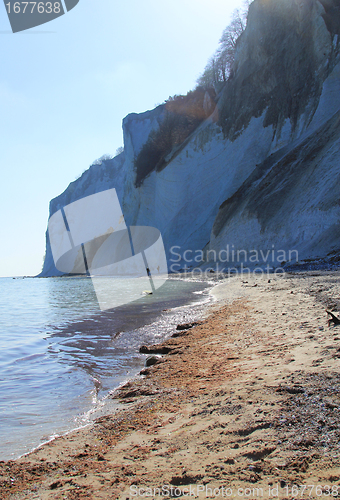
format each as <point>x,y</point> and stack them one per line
<point>249,398</point>
<point>126,334</point>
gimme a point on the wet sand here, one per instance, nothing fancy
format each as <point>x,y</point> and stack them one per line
<point>245,404</point>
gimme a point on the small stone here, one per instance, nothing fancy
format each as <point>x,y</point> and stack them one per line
<point>56,484</point>
<point>152,360</point>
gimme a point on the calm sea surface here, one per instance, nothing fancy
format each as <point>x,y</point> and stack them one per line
<point>60,355</point>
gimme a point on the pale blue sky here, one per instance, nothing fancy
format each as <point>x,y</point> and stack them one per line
<point>65,87</point>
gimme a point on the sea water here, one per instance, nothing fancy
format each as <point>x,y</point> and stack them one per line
<point>60,356</point>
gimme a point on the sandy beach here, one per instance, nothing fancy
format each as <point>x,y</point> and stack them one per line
<point>244,404</point>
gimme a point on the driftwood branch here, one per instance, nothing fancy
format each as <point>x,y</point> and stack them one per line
<point>333,319</point>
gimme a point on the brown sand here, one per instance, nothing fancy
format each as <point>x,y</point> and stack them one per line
<point>246,403</point>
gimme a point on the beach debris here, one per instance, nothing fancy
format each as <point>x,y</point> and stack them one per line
<point>259,454</point>
<point>179,334</point>
<point>55,485</point>
<point>97,384</point>
<point>333,319</point>
<point>155,349</point>
<point>152,360</point>
<point>295,389</point>
<point>185,479</point>
<point>187,326</point>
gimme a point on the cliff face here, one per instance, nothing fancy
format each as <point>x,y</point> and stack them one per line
<point>282,60</point>
<point>290,60</point>
<point>259,170</point>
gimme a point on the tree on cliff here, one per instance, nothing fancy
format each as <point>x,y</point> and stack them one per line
<point>182,115</point>
<point>219,65</point>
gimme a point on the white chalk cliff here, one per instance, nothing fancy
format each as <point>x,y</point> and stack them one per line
<point>260,168</point>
